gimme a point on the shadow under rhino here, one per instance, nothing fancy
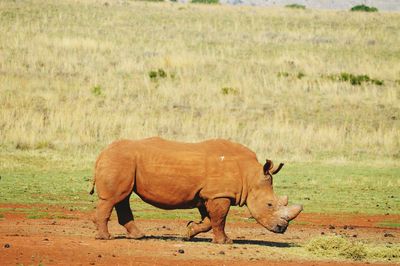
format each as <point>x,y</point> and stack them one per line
<point>209,240</point>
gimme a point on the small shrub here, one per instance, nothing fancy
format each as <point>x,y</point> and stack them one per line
<point>337,246</point>
<point>155,74</point>
<point>97,90</point>
<point>229,91</point>
<point>355,79</point>
<point>152,74</point>
<point>388,252</point>
<point>205,1</point>
<point>161,73</point>
<point>364,8</point>
<point>283,74</point>
<point>300,75</point>
<point>22,146</point>
<point>296,6</point>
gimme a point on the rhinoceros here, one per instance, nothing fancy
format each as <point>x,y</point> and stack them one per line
<point>211,176</point>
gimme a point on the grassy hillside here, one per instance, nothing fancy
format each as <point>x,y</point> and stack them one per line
<point>78,75</point>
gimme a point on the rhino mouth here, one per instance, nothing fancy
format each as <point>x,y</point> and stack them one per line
<point>279,229</point>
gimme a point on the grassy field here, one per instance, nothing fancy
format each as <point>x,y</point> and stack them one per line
<point>63,179</point>
<point>81,74</point>
<point>319,90</point>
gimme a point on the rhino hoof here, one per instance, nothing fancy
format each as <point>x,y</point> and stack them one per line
<point>189,233</point>
<point>225,240</point>
<point>135,236</point>
<point>104,237</point>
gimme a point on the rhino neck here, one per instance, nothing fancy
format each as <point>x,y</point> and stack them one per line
<point>249,172</point>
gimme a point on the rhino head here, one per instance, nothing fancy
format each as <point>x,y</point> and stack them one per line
<point>270,210</point>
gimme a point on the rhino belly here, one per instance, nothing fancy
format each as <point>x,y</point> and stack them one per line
<point>168,192</point>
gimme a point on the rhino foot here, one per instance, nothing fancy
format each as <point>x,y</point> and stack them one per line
<point>225,240</point>
<point>104,237</point>
<point>190,233</point>
<point>135,236</point>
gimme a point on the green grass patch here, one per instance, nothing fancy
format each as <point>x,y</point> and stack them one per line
<point>364,8</point>
<point>330,188</point>
<point>341,247</point>
<point>61,179</point>
<point>38,215</point>
<point>389,224</point>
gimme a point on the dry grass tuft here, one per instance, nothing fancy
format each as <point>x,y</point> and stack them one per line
<point>338,246</point>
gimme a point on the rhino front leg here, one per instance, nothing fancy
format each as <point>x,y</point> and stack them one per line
<point>217,210</point>
<point>194,228</point>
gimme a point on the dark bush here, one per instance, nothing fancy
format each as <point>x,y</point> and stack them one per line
<point>296,6</point>
<point>364,8</point>
<point>205,1</point>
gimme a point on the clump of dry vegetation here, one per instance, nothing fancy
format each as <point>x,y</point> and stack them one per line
<point>82,74</point>
<point>341,247</point>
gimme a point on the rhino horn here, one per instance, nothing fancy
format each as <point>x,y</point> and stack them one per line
<point>289,213</point>
<point>283,201</point>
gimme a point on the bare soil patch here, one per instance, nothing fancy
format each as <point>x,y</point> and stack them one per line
<point>71,241</point>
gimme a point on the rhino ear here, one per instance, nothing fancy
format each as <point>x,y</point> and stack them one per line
<point>276,170</point>
<point>268,166</point>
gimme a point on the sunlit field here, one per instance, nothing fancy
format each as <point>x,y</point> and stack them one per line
<point>297,85</point>
<point>318,90</point>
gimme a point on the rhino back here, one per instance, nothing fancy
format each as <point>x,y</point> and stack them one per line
<point>174,174</point>
<point>169,177</point>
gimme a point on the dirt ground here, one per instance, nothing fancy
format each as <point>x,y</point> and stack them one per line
<point>71,241</point>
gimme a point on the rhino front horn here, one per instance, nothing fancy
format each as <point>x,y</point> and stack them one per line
<point>293,211</point>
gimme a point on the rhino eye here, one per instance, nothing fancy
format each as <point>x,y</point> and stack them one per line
<point>269,204</point>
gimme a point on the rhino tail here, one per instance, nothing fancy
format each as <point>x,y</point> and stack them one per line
<point>92,190</point>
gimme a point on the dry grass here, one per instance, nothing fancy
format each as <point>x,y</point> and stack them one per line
<point>75,74</point>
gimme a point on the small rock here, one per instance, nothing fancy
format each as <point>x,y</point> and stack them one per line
<point>307,198</point>
<point>345,227</point>
<point>7,245</point>
<point>222,252</point>
<point>92,263</point>
<point>181,251</point>
<point>113,255</point>
<point>331,227</point>
<point>388,235</point>
<point>322,233</point>
<point>354,235</point>
<point>99,256</point>
<point>46,239</point>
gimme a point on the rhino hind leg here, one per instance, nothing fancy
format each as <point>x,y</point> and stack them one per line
<point>125,218</point>
<point>217,210</point>
<point>203,226</point>
<point>103,213</point>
